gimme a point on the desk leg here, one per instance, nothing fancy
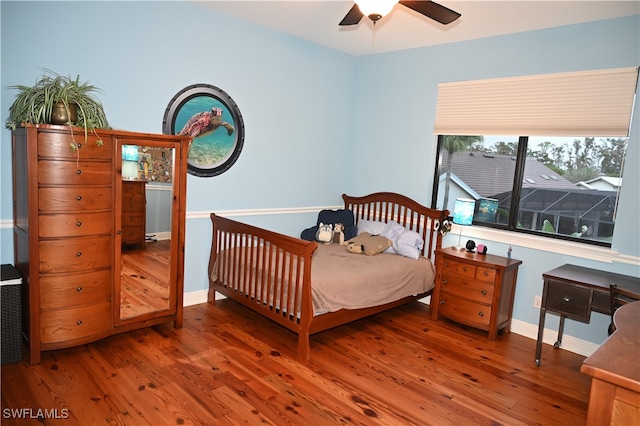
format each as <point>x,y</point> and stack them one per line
<point>543,311</point>
<point>560,332</point>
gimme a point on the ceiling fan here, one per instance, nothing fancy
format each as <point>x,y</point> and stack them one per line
<point>376,9</point>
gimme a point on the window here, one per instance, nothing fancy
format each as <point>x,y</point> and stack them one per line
<point>560,187</point>
<point>562,178</point>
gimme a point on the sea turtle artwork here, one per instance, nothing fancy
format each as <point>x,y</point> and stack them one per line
<point>205,123</point>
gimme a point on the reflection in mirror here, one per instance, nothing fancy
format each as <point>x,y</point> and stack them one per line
<point>147,193</point>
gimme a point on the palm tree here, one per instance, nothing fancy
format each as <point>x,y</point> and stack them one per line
<point>453,144</point>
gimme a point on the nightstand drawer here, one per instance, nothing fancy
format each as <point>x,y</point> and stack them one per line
<point>486,274</point>
<point>465,311</point>
<point>459,268</point>
<point>479,291</point>
<point>568,299</point>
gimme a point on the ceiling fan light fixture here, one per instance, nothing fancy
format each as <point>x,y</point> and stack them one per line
<point>375,9</point>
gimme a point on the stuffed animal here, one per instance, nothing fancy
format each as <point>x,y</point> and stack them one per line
<point>338,234</point>
<point>325,233</point>
<point>354,248</point>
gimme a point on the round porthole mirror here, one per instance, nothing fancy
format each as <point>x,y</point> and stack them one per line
<point>213,119</point>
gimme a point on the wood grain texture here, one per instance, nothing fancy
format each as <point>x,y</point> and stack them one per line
<point>396,368</point>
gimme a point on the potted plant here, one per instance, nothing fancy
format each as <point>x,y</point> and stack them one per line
<point>57,99</point>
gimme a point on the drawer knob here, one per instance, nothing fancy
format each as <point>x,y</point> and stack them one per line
<point>464,268</point>
<point>446,263</point>
<point>79,254</point>
<point>486,274</point>
<point>484,292</point>
<point>567,298</point>
<point>79,322</point>
<point>444,282</point>
<point>79,289</point>
<point>78,223</point>
<point>481,314</point>
<point>78,172</point>
<point>79,198</point>
<point>79,145</point>
<point>442,302</point>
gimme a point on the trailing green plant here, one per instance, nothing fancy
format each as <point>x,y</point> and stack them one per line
<point>35,104</point>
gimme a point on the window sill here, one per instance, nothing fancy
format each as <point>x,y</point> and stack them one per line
<point>585,251</point>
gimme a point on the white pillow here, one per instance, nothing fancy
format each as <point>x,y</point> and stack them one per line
<point>370,226</point>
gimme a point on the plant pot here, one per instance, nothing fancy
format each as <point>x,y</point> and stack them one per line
<point>60,114</point>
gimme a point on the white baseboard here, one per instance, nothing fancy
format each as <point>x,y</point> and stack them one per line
<point>569,343</point>
<point>195,297</point>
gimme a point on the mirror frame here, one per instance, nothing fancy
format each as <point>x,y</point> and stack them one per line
<point>196,100</point>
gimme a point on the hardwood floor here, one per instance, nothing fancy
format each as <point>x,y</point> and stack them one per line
<point>145,279</point>
<point>396,368</point>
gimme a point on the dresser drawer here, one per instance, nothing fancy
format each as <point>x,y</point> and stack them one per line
<point>68,290</point>
<point>133,234</point>
<point>58,145</point>
<point>75,323</point>
<point>464,311</point>
<point>568,299</point>
<point>74,199</point>
<point>74,173</point>
<point>459,268</point>
<point>133,203</point>
<point>74,225</point>
<point>132,220</point>
<point>133,187</point>
<point>75,254</point>
<point>479,291</point>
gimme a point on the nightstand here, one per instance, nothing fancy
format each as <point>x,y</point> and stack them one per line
<point>475,289</point>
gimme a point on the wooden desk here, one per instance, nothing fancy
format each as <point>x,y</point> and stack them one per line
<point>615,373</point>
<point>574,291</point>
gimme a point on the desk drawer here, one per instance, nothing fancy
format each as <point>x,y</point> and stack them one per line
<point>568,299</point>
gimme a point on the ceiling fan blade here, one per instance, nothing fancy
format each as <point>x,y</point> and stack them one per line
<point>432,10</point>
<point>353,16</point>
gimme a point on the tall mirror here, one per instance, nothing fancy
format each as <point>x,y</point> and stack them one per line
<point>147,196</point>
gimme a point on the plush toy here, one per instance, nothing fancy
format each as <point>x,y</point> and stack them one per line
<point>325,233</point>
<point>338,234</point>
<point>354,248</point>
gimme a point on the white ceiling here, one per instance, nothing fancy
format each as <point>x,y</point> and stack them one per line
<point>317,20</point>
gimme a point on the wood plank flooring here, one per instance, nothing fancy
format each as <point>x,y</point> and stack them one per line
<point>395,368</point>
<point>145,279</point>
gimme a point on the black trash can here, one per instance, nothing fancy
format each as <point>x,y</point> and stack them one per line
<point>10,315</point>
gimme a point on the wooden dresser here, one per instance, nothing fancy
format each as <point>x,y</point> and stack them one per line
<point>475,289</point>
<point>68,233</point>
<point>134,212</point>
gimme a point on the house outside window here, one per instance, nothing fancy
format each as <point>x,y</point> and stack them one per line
<point>558,187</point>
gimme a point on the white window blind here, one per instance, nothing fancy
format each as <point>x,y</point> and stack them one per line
<point>589,103</point>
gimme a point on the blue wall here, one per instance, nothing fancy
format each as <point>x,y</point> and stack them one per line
<point>314,126</point>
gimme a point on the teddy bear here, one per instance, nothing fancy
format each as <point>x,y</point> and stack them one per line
<point>325,233</point>
<point>338,234</point>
